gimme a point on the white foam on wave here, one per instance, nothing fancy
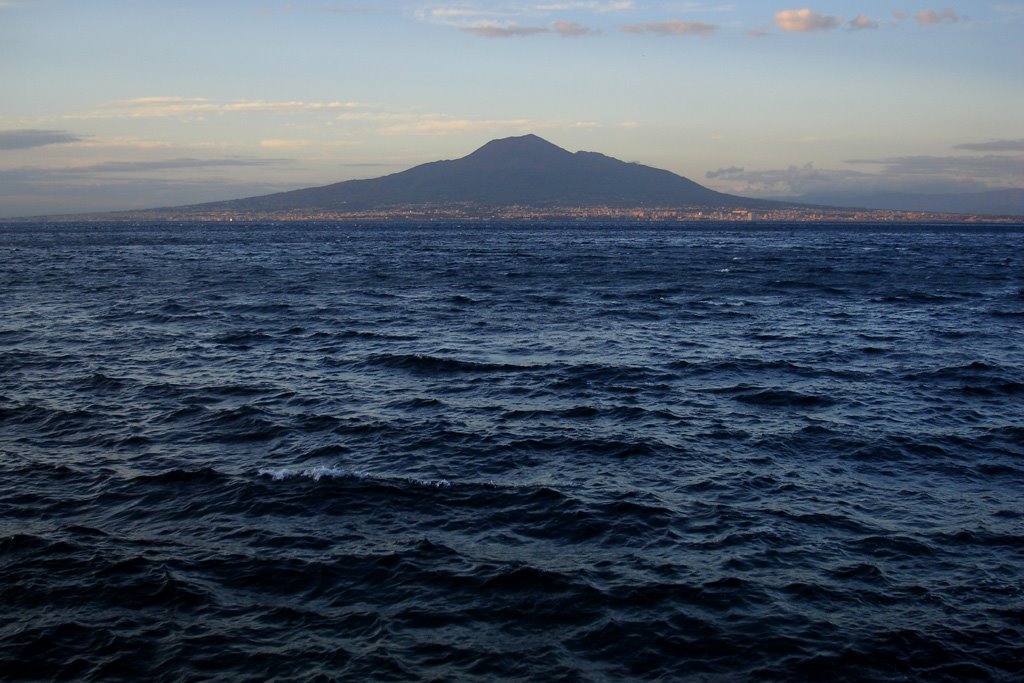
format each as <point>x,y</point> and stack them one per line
<point>320,471</point>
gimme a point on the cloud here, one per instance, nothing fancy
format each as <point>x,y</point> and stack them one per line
<point>990,166</point>
<point>691,6</point>
<point>569,29</point>
<point>925,174</point>
<point>173,164</point>
<point>157,107</point>
<point>928,17</point>
<point>345,10</point>
<point>673,28</point>
<point>994,146</point>
<point>277,144</point>
<point>1009,7</point>
<point>130,168</point>
<point>446,126</point>
<point>861,23</point>
<point>29,138</point>
<point>731,172</point>
<point>804,20</point>
<point>498,31</point>
<point>600,7</point>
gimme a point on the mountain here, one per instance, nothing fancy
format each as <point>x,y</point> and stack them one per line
<point>516,171</point>
<point>991,203</point>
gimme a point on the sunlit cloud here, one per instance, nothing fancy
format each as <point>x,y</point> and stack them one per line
<point>600,7</point>
<point>805,20</point>
<point>155,107</point>
<point>569,29</point>
<point>29,138</point>
<point>929,16</point>
<point>692,7</point>
<point>498,31</point>
<point>861,23</point>
<point>673,28</point>
<point>441,126</point>
<point>278,144</point>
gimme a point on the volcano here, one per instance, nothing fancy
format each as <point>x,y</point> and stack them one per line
<point>516,171</point>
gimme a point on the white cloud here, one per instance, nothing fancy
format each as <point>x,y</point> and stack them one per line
<point>673,28</point>
<point>804,20</point>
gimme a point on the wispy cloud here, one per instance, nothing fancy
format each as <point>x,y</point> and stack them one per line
<point>994,146</point>
<point>731,172</point>
<point>133,167</point>
<point>279,143</point>
<point>989,166</point>
<point>926,174</point>
<point>600,7</point>
<point>673,28</point>
<point>173,164</point>
<point>861,23</point>
<point>805,20</point>
<point>692,7</point>
<point>345,10</point>
<point>446,126</point>
<point>569,29</point>
<point>155,107</point>
<point>929,16</point>
<point>507,31</point>
<point>29,138</point>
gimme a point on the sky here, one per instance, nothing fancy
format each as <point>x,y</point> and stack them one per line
<point>120,104</point>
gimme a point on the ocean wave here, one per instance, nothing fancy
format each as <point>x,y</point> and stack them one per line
<point>319,472</point>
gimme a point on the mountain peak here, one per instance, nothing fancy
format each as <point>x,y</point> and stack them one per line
<point>518,147</point>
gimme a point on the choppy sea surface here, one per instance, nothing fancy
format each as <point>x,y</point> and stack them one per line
<point>533,453</point>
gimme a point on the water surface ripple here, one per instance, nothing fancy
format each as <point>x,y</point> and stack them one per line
<point>280,452</point>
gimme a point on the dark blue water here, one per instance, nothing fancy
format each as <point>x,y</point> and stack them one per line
<point>526,453</point>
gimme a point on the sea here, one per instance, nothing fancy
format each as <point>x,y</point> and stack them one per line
<point>511,452</point>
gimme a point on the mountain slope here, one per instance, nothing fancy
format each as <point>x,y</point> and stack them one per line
<point>525,171</point>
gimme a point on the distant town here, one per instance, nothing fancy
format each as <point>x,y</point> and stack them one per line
<point>468,212</point>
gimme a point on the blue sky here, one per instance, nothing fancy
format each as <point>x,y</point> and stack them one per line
<point>112,104</point>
